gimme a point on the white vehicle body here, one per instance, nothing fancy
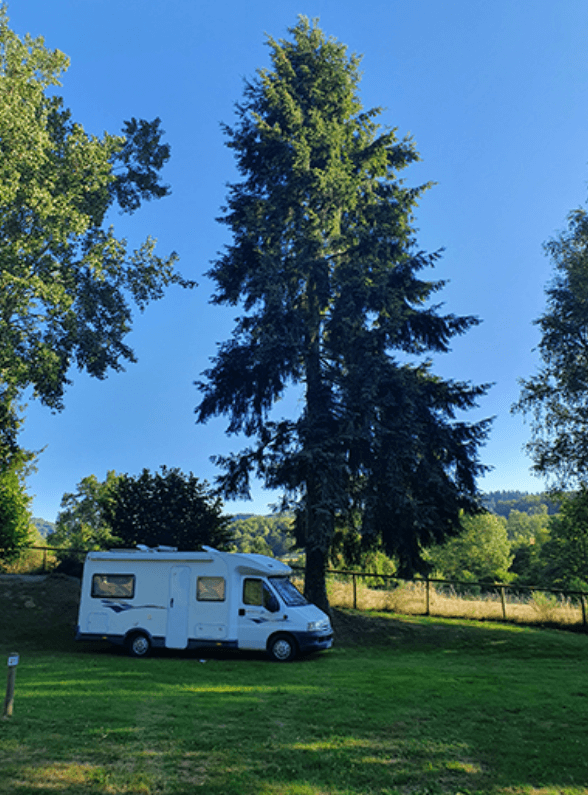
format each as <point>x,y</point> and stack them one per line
<point>186,600</point>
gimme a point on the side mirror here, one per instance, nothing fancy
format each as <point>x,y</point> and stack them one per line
<point>272,604</point>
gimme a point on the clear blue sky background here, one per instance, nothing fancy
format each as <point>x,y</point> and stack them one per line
<point>495,94</point>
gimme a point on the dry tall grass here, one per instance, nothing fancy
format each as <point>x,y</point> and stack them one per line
<point>29,561</point>
<point>410,598</point>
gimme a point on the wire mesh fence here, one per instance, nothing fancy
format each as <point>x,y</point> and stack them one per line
<point>480,601</point>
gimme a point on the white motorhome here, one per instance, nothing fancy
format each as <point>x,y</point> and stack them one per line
<point>144,598</point>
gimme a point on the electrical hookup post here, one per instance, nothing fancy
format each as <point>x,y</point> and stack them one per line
<point>9,700</point>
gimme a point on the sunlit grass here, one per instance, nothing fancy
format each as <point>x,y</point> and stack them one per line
<point>436,707</point>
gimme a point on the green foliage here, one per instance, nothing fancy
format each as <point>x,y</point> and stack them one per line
<point>15,516</point>
<point>83,523</point>
<point>324,262</point>
<point>555,398</point>
<point>66,280</point>
<point>564,556</point>
<point>527,534</point>
<point>377,562</point>
<point>167,508</point>
<point>528,528</point>
<point>266,535</point>
<point>503,502</point>
<point>481,553</point>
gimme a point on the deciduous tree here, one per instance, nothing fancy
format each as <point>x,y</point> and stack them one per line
<point>168,508</point>
<point>67,282</point>
<point>481,552</point>
<point>83,522</point>
<point>324,265</point>
<point>15,464</point>
<point>564,556</point>
<point>556,398</point>
<point>15,515</point>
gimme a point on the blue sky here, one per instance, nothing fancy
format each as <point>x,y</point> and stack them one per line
<point>495,95</point>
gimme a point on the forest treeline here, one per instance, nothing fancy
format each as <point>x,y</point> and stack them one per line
<point>529,539</point>
<point>526,539</point>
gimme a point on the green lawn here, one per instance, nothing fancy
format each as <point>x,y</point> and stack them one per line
<point>429,706</point>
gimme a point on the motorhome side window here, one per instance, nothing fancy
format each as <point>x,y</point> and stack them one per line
<point>256,593</point>
<point>210,589</point>
<point>113,586</point>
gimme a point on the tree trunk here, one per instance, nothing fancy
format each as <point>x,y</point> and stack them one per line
<point>316,441</point>
<point>315,586</point>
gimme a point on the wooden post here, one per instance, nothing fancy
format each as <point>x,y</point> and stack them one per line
<point>9,700</point>
<point>428,612</point>
<point>502,599</point>
<point>354,593</point>
<point>583,603</point>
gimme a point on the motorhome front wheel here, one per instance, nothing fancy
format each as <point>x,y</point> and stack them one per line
<point>282,648</point>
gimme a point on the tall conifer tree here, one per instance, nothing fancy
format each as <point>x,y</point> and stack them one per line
<point>324,265</point>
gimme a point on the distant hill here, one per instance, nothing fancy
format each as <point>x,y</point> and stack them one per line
<point>43,526</point>
<point>503,502</point>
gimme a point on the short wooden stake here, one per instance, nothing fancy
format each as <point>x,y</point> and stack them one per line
<point>9,700</point>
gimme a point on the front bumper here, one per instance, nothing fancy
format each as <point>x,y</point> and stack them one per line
<point>309,642</point>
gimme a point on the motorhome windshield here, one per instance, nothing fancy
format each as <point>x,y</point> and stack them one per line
<point>289,594</point>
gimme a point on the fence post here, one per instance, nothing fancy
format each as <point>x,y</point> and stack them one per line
<point>428,612</point>
<point>502,599</point>
<point>354,593</point>
<point>583,603</point>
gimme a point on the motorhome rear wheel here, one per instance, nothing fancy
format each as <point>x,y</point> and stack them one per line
<point>139,645</point>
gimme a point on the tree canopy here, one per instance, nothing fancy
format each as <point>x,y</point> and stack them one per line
<point>83,522</point>
<point>15,464</point>
<point>325,267</point>
<point>564,554</point>
<point>66,281</point>
<point>15,515</point>
<point>168,508</point>
<point>265,535</point>
<point>556,398</point>
<point>480,553</point>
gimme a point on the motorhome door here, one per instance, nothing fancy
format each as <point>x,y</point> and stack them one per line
<point>257,613</point>
<point>176,634</point>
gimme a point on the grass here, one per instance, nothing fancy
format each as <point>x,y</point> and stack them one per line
<point>399,705</point>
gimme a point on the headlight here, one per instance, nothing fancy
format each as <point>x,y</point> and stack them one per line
<point>319,626</point>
